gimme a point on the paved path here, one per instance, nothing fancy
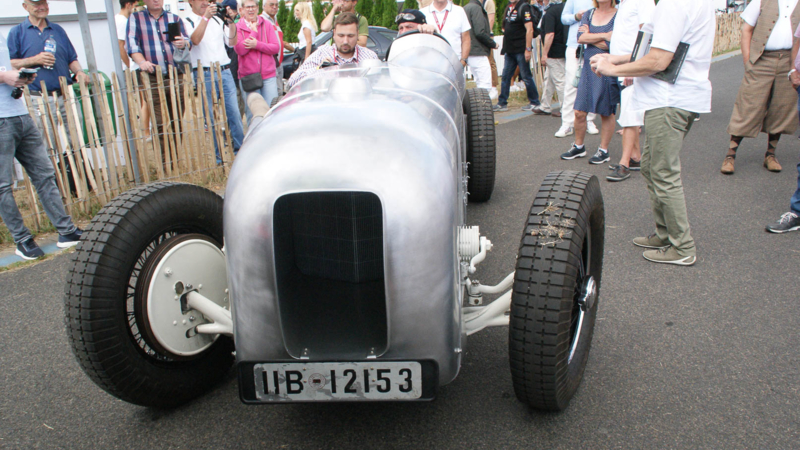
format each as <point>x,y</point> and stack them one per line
<point>683,357</point>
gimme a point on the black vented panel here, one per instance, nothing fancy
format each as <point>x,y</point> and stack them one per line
<point>335,235</point>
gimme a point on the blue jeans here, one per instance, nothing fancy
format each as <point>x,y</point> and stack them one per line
<point>514,60</point>
<point>795,204</point>
<point>231,108</point>
<point>19,138</point>
<point>269,91</point>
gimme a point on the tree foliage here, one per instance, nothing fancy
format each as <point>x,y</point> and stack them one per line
<point>498,17</point>
<point>410,4</point>
<point>319,12</point>
<point>389,13</point>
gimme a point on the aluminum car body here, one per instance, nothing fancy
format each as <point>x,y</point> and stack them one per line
<point>394,130</point>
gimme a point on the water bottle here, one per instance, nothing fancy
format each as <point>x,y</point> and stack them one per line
<point>50,47</point>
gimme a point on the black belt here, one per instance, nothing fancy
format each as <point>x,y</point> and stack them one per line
<point>49,92</point>
<point>225,67</point>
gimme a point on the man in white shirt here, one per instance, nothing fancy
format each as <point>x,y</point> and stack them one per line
<point>209,36</point>
<point>766,101</point>
<point>670,110</point>
<point>451,22</point>
<point>121,19</point>
<point>631,15</point>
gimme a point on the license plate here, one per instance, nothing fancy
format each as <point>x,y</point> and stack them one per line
<point>280,382</point>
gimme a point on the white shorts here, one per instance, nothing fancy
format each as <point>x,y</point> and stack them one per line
<point>629,117</point>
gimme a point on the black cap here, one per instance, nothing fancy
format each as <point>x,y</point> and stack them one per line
<point>406,16</point>
<point>231,3</point>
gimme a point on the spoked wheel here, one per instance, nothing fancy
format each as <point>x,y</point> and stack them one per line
<point>556,289</point>
<point>127,328</point>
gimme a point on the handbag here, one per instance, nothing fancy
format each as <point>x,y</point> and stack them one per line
<point>579,55</point>
<point>182,57</point>
<point>253,82</point>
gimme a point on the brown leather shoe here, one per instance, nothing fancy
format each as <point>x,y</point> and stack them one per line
<point>727,165</point>
<point>772,164</point>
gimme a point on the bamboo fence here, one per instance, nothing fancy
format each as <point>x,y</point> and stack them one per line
<point>90,172</point>
<point>729,32</point>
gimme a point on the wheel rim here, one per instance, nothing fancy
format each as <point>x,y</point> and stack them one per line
<point>137,293</point>
<point>584,296</point>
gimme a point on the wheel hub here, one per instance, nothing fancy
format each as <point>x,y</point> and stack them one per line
<point>588,294</point>
<point>185,263</point>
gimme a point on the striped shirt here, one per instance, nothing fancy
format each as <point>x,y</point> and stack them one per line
<point>328,53</point>
<point>147,35</point>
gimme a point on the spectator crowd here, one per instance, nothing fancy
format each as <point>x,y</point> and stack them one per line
<point>639,63</point>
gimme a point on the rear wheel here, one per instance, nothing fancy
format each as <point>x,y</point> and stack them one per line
<point>481,144</point>
<point>556,288</point>
<point>124,347</point>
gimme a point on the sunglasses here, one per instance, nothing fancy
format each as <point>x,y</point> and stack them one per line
<point>408,17</point>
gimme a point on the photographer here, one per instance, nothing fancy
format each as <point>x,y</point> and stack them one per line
<point>210,30</point>
<point>26,46</point>
<point>20,139</point>
<point>150,46</point>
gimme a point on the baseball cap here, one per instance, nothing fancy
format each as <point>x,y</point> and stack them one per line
<point>231,3</point>
<point>410,15</point>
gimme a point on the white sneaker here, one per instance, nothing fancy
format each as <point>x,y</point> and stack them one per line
<point>493,93</point>
<point>520,84</point>
<point>564,131</point>
<point>514,88</point>
<point>591,128</point>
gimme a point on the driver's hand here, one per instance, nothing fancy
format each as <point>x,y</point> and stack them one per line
<point>427,28</point>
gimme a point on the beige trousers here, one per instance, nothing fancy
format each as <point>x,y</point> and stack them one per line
<point>766,101</point>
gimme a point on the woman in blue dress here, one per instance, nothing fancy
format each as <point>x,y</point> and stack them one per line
<point>599,95</point>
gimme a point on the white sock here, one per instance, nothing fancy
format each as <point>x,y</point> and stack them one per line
<point>579,147</point>
<point>602,150</point>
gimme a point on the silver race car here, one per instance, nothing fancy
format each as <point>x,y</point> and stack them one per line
<point>338,266</point>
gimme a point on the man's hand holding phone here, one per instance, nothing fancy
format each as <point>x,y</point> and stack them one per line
<point>18,78</point>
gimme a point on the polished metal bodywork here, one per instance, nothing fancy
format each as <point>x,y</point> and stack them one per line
<point>393,129</point>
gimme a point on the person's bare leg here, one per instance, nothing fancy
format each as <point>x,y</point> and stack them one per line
<point>580,127</point>
<point>630,139</point>
<point>607,125</point>
<point>636,154</point>
<point>145,115</point>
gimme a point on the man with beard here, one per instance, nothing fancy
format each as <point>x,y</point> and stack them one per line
<point>344,50</point>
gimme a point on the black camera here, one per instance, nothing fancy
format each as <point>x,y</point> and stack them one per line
<point>24,74</point>
<point>222,12</point>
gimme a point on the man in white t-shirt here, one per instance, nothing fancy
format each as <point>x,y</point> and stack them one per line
<point>451,22</point>
<point>121,19</point>
<point>670,110</point>
<point>766,101</point>
<point>209,36</point>
<point>631,15</point>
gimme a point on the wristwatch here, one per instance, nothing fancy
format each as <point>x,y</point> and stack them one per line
<point>528,49</point>
<point>463,61</point>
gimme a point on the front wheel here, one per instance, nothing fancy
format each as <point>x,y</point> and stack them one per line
<point>556,288</point>
<point>121,332</point>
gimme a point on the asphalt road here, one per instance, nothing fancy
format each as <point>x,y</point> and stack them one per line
<point>683,357</point>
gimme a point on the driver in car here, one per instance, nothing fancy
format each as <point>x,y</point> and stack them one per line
<point>344,50</point>
<point>410,20</point>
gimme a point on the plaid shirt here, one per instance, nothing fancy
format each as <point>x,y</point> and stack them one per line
<point>146,35</point>
<point>327,52</point>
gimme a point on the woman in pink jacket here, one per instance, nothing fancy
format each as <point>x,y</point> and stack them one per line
<point>257,44</point>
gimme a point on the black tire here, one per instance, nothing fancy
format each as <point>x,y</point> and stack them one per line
<point>563,235</point>
<point>481,144</point>
<point>102,309</point>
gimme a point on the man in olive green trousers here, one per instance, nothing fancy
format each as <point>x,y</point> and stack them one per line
<point>670,110</point>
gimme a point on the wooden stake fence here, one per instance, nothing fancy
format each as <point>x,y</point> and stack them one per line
<point>90,172</point>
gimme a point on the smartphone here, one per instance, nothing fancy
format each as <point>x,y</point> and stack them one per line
<point>173,31</point>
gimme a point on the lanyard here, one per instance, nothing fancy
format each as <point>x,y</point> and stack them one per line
<point>444,21</point>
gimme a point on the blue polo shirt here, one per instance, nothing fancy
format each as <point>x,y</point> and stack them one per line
<point>8,106</point>
<point>25,40</point>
